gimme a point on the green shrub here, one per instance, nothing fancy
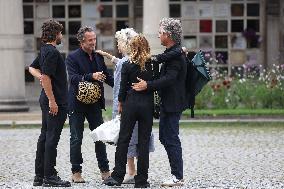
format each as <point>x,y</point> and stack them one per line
<point>256,89</point>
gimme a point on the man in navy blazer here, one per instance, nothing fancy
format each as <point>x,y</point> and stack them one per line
<point>84,64</point>
<point>171,87</point>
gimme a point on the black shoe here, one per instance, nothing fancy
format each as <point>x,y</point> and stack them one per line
<point>38,180</point>
<point>145,185</point>
<point>111,182</point>
<point>55,181</point>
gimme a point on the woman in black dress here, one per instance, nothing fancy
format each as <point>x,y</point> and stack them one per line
<point>134,106</point>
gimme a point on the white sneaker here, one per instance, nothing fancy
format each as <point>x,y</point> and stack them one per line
<point>129,179</point>
<point>173,181</point>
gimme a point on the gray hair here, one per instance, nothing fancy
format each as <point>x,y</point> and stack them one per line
<point>124,37</point>
<point>173,28</point>
<point>82,31</point>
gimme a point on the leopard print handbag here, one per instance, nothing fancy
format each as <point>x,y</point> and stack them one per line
<point>88,92</point>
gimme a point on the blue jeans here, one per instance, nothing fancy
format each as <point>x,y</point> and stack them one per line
<point>76,121</point>
<point>169,137</point>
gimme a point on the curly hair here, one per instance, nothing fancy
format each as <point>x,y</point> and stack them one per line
<point>124,37</point>
<point>50,29</point>
<point>82,31</point>
<point>173,28</point>
<point>139,51</point>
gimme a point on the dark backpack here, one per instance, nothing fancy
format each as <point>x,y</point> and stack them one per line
<point>197,77</point>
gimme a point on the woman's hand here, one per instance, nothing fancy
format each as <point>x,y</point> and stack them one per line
<point>119,107</point>
<point>103,53</point>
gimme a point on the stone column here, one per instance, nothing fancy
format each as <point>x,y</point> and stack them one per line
<point>153,12</point>
<point>273,29</point>
<point>12,79</point>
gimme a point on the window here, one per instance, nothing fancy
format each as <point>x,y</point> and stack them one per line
<point>253,9</point>
<point>74,26</point>
<point>106,11</point>
<point>28,11</point>
<point>58,11</point>
<point>221,57</point>
<point>221,42</point>
<point>237,9</point>
<point>221,26</point>
<point>253,25</point>
<point>205,26</point>
<point>74,11</point>
<point>190,42</point>
<point>175,10</point>
<point>73,43</point>
<point>28,27</point>
<point>121,25</point>
<point>237,26</point>
<point>122,11</point>
<point>205,42</point>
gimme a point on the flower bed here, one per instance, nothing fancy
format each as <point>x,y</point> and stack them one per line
<point>253,87</point>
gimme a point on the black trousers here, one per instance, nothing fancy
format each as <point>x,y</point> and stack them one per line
<point>136,108</point>
<point>48,140</point>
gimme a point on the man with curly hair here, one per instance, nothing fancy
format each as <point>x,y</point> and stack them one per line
<point>171,86</point>
<point>84,64</point>
<point>50,69</point>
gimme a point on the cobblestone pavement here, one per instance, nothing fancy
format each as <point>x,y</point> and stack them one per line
<point>222,157</point>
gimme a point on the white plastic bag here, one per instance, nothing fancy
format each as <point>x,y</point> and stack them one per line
<point>107,132</point>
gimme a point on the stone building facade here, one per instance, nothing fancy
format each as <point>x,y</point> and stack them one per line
<point>233,32</point>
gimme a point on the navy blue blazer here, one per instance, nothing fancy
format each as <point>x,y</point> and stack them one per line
<point>81,68</point>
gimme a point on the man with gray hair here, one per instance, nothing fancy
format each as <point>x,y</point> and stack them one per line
<point>171,87</point>
<point>84,64</point>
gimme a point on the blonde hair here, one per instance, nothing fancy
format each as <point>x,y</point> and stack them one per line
<point>123,37</point>
<point>139,51</point>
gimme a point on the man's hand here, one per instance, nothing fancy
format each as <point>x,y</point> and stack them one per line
<point>53,108</point>
<point>99,76</point>
<point>140,86</point>
<point>185,50</point>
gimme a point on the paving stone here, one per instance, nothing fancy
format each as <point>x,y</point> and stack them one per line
<point>224,157</point>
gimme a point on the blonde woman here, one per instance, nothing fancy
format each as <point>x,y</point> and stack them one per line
<point>123,38</point>
<point>134,107</point>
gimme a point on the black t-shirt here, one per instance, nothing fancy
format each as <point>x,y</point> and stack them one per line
<point>51,63</point>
